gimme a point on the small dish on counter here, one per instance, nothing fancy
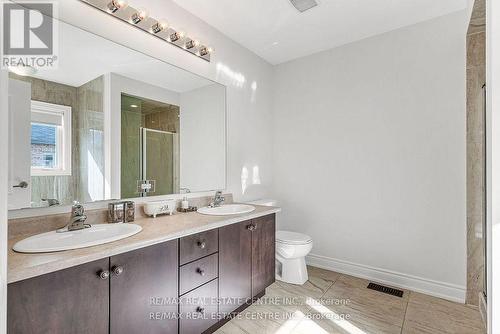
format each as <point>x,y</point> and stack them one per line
<point>155,208</point>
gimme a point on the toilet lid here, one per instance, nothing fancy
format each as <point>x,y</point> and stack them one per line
<point>294,238</point>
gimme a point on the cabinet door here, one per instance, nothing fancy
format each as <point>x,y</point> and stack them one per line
<point>73,300</point>
<point>235,265</point>
<point>263,253</point>
<point>144,290</point>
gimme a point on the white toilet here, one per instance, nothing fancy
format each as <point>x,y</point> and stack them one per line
<point>291,250</point>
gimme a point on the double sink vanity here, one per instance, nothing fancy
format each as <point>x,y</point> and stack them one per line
<point>185,273</point>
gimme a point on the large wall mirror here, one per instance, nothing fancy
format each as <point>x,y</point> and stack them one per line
<point>110,123</point>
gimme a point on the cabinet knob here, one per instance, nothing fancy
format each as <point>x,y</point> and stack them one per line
<point>200,271</point>
<point>200,309</point>
<point>202,244</point>
<point>251,227</point>
<point>117,270</point>
<point>103,274</point>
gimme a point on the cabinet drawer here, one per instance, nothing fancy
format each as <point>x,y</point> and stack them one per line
<point>196,273</point>
<point>198,245</point>
<point>199,309</point>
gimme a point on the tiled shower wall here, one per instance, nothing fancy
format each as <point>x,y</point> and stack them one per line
<point>476,78</point>
<point>89,148</point>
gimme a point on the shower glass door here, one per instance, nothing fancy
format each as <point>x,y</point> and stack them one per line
<point>157,160</point>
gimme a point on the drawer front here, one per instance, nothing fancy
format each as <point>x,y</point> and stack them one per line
<point>199,309</point>
<point>196,273</point>
<point>198,245</point>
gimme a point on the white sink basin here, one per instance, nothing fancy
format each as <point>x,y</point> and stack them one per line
<point>225,210</point>
<point>92,236</point>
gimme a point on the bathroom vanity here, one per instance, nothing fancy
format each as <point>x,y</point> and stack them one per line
<point>121,125</point>
<point>170,281</point>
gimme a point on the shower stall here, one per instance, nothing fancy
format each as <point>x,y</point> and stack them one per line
<point>149,147</point>
<point>158,161</point>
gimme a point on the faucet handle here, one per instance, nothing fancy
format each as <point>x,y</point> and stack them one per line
<point>77,209</point>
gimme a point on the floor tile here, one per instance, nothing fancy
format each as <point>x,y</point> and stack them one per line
<point>319,273</point>
<point>364,305</point>
<point>265,317</point>
<point>426,314</point>
<point>344,320</point>
<point>340,304</point>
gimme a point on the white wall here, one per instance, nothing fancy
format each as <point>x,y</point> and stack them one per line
<point>4,145</point>
<point>203,139</point>
<point>493,162</point>
<point>369,155</point>
<point>248,100</point>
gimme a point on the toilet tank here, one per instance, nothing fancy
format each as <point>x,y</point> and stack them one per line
<point>264,202</point>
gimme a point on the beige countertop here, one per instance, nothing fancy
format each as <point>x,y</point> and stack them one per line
<point>154,230</point>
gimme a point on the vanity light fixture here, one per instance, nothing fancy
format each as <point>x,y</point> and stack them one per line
<point>139,18</point>
<point>114,5</point>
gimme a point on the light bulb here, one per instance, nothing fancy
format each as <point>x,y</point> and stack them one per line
<point>176,35</point>
<point>139,16</point>
<point>114,5</point>
<point>191,43</point>
<point>163,23</point>
<point>204,51</point>
<point>159,26</point>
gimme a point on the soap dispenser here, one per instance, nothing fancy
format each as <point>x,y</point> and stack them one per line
<point>185,203</point>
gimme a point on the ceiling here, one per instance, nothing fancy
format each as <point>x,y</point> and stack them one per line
<point>277,32</point>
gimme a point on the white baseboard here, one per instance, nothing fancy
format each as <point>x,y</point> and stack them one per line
<point>443,290</point>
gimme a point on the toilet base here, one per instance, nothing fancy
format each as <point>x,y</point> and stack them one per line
<point>292,271</point>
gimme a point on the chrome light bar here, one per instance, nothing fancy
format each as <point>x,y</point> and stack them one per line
<point>140,19</point>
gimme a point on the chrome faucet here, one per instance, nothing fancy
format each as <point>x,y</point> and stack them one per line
<point>218,199</point>
<point>77,220</point>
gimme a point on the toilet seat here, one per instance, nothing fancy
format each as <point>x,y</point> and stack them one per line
<point>292,238</point>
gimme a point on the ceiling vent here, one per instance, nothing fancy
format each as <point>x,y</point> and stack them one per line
<point>303,5</point>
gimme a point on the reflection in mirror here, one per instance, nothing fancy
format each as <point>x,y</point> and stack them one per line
<point>150,147</point>
<point>59,128</point>
<point>110,123</point>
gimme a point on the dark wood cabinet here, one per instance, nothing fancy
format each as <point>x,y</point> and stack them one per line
<point>235,268</point>
<point>138,291</point>
<point>73,300</point>
<point>263,253</point>
<point>198,245</point>
<point>198,309</point>
<point>197,273</point>
<point>144,290</point>
<point>247,261</point>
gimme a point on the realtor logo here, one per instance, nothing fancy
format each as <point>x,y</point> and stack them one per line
<point>29,34</point>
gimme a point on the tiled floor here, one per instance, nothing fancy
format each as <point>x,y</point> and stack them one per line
<point>334,303</point>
